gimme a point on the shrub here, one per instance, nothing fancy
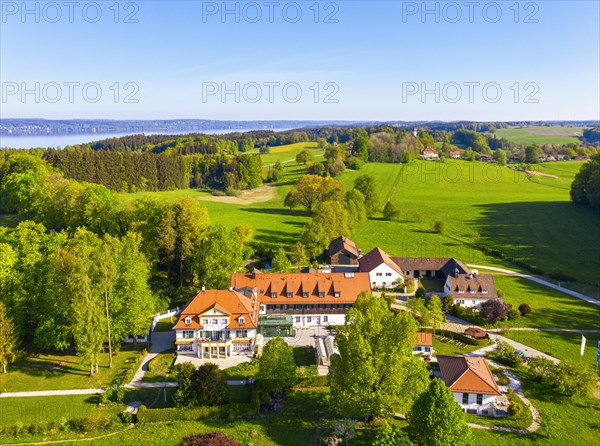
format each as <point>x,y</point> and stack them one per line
<point>507,354</point>
<point>119,395</point>
<point>390,212</point>
<point>103,398</point>
<point>126,417</point>
<point>354,163</point>
<point>208,439</point>
<point>420,293</point>
<point>513,315</point>
<point>493,310</point>
<point>439,226</point>
<point>524,309</point>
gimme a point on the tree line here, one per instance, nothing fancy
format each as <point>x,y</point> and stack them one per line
<point>585,188</point>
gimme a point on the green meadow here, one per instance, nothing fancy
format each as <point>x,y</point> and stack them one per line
<point>524,218</point>
<point>541,134</point>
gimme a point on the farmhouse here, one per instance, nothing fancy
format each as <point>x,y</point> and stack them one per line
<point>470,290</point>
<point>485,158</point>
<point>430,154</point>
<point>423,344</point>
<point>455,154</point>
<point>217,324</point>
<point>472,383</point>
<point>343,251</point>
<point>311,299</point>
<point>383,272</point>
<point>430,267</point>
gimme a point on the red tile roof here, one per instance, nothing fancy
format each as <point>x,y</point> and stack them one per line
<point>376,257</point>
<point>228,302</point>
<point>425,339</point>
<point>298,285</point>
<point>343,244</point>
<point>467,374</point>
<point>472,286</point>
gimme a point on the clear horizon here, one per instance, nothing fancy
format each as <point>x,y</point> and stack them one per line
<point>348,60</point>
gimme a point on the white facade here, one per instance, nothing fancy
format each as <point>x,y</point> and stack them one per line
<point>219,343</point>
<point>315,320</point>
<point>469,402</point>
<point>464,299</point>
<point>424,350</point>
<point>384,276</point>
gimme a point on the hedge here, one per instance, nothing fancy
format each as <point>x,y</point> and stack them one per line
<point>312,381</point>
<point>229,411</point>
<point>459,336</point>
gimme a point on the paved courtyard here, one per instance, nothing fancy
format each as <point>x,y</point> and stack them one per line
<point>223,363</point>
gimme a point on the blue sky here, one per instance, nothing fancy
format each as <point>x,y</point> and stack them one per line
<point>356,60</point>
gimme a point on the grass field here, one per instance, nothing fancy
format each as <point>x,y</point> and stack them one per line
<point>563,346</point>
<point>549,308</point>
<point>444,348</point>
<point>541,135</point>
<point>287,153</point>
<point>54,371</point>
<point>159,367</point>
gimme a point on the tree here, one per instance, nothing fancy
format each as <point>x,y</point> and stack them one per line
<point>570,378</point>
<point>208,385</point>
<point>311,190</point>
<point>299,256</point>
<point>420,310</point>
<point>585,188</point>
<point>391,212</point>
<point>376,374</point>
<point>367,185</point>
<point>355,204</point>
<point>220,254</point>
<point>305,156</point>
<point>330,221</point>
<point>493,310</point>
<point>524,309</point>
<point>437,420</point>
<point>183,396</point>
<point>208,439</point>
<point>387,435</point>
<point>277,368</point>
<point>500,156</point>
<point>447,302</point>
<point>531,154</point>
<point>8,338</point>
<point>434,304</point>
<point>281,263</point>
<point>439,226</point>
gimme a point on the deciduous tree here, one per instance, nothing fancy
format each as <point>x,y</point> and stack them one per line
<point>277,368</point>
<point>9,340</point>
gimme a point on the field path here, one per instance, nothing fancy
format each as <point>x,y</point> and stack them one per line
<point>588,299</point>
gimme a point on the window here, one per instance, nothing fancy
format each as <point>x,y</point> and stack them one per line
<point>205,321</point>
<point>308,307</point>
<point>297,319</point>
<point>262,308</point>
<point>288,294</point>
<point>379,274</point>
<point>188,334</point>
<point>308,319</point>
<point>325,319</point>
<point>321,306</point>
<point>336,294</point>
<point>241,319</point>
<point>465,398</point>
<point>321,294</point>
<point>224,321</point>
<point>187,320</point>
<point>428,349</point>
<point>215,321</point>
<point>305,294</point>
<point>273,295</point>
<point>418,348</point>
<point>479,399</point>
<point>388,274</point>
<point>284,307</point>
<point>270,307</point>
<point>185,348</point>
<point>241,333</point>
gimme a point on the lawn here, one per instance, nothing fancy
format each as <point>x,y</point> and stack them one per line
<point>541,134</point>
<point>54,371</point>
<point>549,308</point>
<point>159,367</point>
<point>563,346</point>
<point>304,357</point>
<point>165,324</point>
<point>287,153</point>
<point>445,348</point>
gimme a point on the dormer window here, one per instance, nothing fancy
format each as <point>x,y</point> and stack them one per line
<point>484,291</point>
<point>336,294</point>
<point>241,320</point>
<point>461,291</point>
<point>321,294</point>
<point>305,294</point>
<point>187,320</point>
<point>273,295</point>
<point>288,294</point>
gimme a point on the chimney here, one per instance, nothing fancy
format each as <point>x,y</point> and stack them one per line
<point>203,288</point>
<point>456,272</point>
<point>230,288</point>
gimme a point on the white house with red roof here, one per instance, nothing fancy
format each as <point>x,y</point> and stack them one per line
<point>217,324</point>
<point>430,154</point>
<point>423,344</point>
<point>383,271</point>
<point>471,381</point>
